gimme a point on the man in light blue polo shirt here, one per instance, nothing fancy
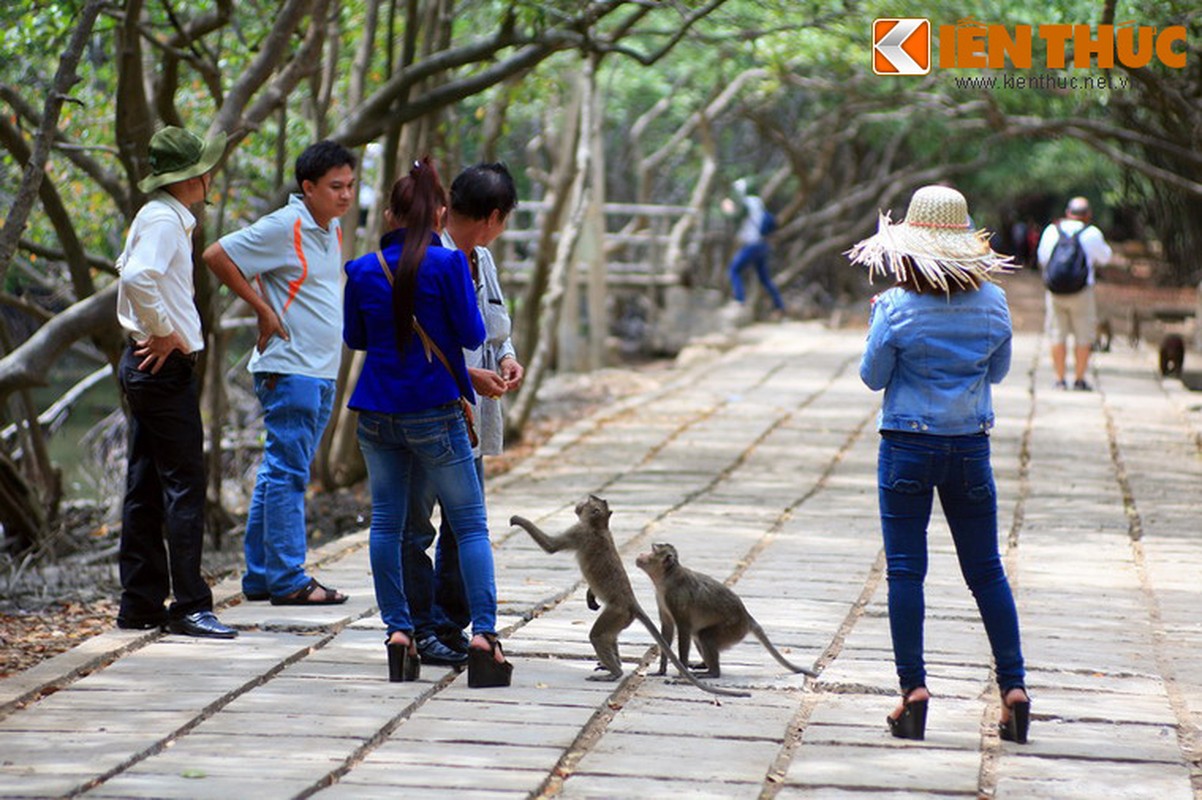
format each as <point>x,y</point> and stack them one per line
<point>294,257</point>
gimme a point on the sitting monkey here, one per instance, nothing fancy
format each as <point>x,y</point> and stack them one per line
<point>608,582</point>
<point>1172,355</point>
<point>701,609</point>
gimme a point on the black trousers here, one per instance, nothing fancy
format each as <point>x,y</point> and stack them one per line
<point>164,493</point>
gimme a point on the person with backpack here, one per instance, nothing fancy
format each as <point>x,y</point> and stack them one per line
<point>1069,251</point>
<point>756,225</point>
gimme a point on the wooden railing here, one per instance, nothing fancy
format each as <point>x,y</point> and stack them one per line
<point>635,254</point>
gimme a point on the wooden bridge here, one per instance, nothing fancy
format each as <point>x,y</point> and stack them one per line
<point>638,245</point>
<point>649,255</point>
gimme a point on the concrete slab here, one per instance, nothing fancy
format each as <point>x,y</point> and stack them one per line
<point>767,480</point>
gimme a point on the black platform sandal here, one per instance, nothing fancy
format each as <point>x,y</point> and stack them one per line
<point>1016,728</point>
<point>483,669</point>
<point>912,722</point>
<point>403,662</point>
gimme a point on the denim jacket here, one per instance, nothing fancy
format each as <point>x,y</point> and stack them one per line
<point>935,356</point>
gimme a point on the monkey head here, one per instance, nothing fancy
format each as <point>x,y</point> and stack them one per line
<point>593,510</point>
<point>661,559</point>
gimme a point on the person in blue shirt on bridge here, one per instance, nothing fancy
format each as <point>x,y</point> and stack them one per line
<point>936,341</point>
<point>753,243</point>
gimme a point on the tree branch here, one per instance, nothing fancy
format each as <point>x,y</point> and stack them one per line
<point>26,307</point>
<point>648,59</point>
<point>52,204</point>
<point>35,170</point>
<point>259,71</point>
<point>306,60</point>
<point>94,261</point>
<point>77,155</point>
<point>28,364</point>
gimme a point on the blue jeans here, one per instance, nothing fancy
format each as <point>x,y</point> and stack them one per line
<point>296,409</point>
<point>434,590</point>
<point>910,468</point>
<point>394,446</point>
<point>756,255</point>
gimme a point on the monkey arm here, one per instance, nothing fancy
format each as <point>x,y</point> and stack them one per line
<point>550,544</point>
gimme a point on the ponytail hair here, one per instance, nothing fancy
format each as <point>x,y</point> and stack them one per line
<point>416,204</point>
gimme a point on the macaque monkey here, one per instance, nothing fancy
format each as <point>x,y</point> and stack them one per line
<point>1172,355</point>
<point>1101,343</point>
<point>701,609</point>
<point>608,583</point>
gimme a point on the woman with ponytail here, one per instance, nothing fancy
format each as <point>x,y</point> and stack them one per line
<point>411,306</point>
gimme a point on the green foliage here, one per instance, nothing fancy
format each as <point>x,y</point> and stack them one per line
<point>815,55</point>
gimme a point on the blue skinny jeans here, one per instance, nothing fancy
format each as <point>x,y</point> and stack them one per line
<point>435,439</point>
<point>296,409</point>
<point>910,468</point>
<point>754,255</point>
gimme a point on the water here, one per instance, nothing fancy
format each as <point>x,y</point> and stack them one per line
<point>66,451</point>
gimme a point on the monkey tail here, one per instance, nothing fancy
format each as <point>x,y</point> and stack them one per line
<point>666,649</point>
<point>786,663</point>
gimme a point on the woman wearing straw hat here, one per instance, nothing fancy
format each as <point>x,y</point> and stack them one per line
<point>936,342</point>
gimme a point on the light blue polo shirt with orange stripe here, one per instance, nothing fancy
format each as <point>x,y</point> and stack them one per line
<point>297,266</point>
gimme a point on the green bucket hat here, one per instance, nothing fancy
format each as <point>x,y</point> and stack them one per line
<point>177,155</point>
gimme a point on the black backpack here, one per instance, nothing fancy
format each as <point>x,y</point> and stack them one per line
<point>1067,271</point>
<point>767,223</point>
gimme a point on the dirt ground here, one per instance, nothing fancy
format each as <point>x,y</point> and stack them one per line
<point>40,627</point>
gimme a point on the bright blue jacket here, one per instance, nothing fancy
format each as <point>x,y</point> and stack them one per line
<point>935,356</point>
<point>394,382</point>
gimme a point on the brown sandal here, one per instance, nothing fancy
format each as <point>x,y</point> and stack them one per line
<point>301,597</point>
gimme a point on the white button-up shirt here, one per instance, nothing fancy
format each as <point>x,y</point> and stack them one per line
<point>155,295</point>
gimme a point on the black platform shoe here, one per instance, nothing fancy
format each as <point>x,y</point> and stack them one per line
<point>483,669</point>
<point>912,722</point>
<point>1016,728</point>
<point>403,663</point>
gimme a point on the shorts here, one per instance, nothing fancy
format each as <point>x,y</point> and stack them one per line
<point>1073,315</point>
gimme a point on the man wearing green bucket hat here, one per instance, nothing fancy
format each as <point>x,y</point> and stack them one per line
<point>165,484</point>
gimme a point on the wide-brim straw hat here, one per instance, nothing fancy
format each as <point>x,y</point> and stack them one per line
<point>177,155</point>
<point>936,241</point>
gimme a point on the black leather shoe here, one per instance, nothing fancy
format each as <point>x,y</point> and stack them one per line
<point>201,623</point>
<point>435,653</point>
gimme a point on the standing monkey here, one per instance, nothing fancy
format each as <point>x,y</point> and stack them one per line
<point>608,582</point>
<point>702,610</point>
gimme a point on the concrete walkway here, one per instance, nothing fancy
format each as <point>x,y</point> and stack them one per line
<point>758,463</point>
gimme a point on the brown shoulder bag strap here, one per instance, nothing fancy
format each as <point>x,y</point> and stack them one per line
<point>431,347</point>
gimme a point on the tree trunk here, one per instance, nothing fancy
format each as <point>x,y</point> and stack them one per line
<point>598,315</point>
<point>339,462</point>
<point>35,169</point>
<point>565,256</point>
<point>24,522</point>
<point>26,489</point>
<point>563,174</point>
